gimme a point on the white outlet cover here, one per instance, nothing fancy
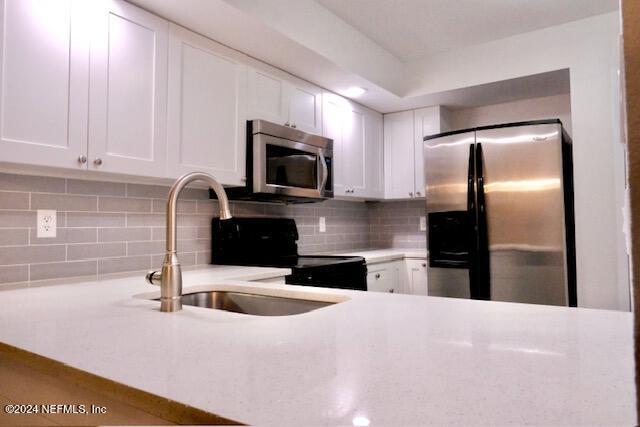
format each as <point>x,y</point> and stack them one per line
<point>322,224</point>
<point>47,223</point>
<point>423,223</point>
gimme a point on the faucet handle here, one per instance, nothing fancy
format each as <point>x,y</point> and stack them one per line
<point>153,277</point>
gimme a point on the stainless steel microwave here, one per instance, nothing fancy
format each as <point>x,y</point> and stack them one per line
<point>286,164</point>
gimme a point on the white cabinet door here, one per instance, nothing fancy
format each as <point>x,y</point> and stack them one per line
<point>305,106</point>
<point>384,277</point>
<point>206,124</point>
<point>428,121</point>
<point>333,107</point>
<point>374,158</point>
<point>417,275</point>
<point>44,72</point>
<point>399,155</point>
<point>279,97</point>
<point>267,94</point>
<point>353,150</point>
<point>128,91</point>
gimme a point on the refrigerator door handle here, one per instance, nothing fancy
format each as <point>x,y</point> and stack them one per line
<point>483,266</point>
<point>472,215</point>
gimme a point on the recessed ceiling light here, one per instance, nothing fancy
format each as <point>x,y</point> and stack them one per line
<point>354,91</point>
<point>361,421</point>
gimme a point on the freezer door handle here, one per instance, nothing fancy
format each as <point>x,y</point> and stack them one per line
<point>471,213</point>
<point>483,290</point>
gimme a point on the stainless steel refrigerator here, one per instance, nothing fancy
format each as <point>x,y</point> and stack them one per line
<point>500,213</point>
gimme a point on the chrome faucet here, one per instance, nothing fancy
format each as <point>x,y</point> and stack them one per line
<point>170,279</point>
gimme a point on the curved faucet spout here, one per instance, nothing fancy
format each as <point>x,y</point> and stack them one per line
<point>171,277</point>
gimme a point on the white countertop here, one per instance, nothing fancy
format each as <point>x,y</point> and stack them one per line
<point>392,359</point>
<point>376,256</point>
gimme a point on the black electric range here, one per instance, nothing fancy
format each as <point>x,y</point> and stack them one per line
<point>272,242</point>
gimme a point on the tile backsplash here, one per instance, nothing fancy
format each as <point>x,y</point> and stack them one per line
<point>396,224</point>
<point>107,227</point>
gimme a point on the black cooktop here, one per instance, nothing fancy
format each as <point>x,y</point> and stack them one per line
<point>272,242</point>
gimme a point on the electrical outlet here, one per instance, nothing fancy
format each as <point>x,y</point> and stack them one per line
<point>47,223</point>
<point>423,223</point>
<point>322,224</point>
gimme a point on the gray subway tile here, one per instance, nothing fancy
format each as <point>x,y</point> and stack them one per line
<point>14,273</point>
<point>97,188</point>
<point>123,234</point>
<point>62,269</point>
<point>184,206</point>
<point>41,184</point>
<point>95,219</point>
<point>32,254</point>
<point>14,236</point>
<point>17,219</point>
<point>63,202</point>
<point>147,191</point>
<point>203,258</point>
<point>95,250</point>
<point>64,235</point>
<point>145,248</point>
<point>122,264</point>
<point>145,220</point>
<point>122,204</point>
<point>14,200</point>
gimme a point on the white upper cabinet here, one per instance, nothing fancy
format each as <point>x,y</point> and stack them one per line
<point>43,82</point>
<point>305,106</point>
<point>282,98</point>
<point>399,155</point>
<point>374,156</point>
<point>428,121</point>
<point>403,149</point>
<point>357,147</point>
<point>128,91</point>
<point>207,109</point>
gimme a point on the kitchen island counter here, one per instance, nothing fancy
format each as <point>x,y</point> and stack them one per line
<point>374,358</point>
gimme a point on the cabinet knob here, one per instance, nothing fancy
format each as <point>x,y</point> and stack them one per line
<point>82,159</point>
<point>97,161</point>
<point>391,291</point>
<point>293,125</point>
<point>417,193</point>
<point>287,124</point>
<point>410,194</point>
<point>424,264</point>
<point>377,276</point>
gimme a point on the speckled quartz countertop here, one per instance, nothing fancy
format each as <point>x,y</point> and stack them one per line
<point>376,256</point>
<point>389,359</point>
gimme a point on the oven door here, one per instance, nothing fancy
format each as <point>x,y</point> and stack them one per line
<point>291,168</point>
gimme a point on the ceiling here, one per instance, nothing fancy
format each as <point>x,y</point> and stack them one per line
<point>414,29</point>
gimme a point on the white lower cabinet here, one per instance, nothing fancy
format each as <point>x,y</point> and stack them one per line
<point>416,276</point>
<point>384,277</point>
<point>408,276</point>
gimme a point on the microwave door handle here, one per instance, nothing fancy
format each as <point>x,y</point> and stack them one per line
<point>325,173</point>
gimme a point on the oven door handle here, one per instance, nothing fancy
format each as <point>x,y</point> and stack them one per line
<point>325,173</point>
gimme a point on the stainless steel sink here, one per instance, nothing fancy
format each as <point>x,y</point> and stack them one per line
<point>257,305</point>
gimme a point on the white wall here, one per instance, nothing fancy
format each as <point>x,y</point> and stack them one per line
<point>546,107</point>
<point>589,49</point>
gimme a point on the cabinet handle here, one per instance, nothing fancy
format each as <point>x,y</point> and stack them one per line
<point>97,161</point>
<point>287,124</point>
<point>391,291</point>
<point>293,125</point>
<point>410,194</point>
<point>377,276</point>
<point>82,159</point>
